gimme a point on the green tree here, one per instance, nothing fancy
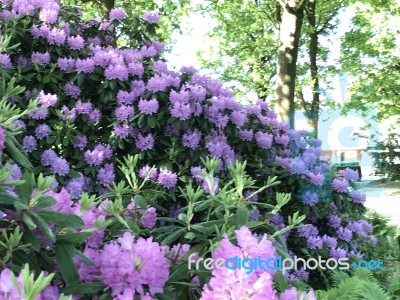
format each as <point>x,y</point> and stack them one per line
<point>171,11</point>
<point>263,39</point>
<point>371,54</point>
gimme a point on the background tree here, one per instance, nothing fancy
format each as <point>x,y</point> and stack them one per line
<point>371,55</point>
<point>247,49</point>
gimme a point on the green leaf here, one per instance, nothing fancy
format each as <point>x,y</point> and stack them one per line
<point>32,239</point>
<point>28,221</point>
<point>141,201</point>
<point>61,219</point>
<point>64,257</point>
<point>6,200</point>
<point>173,236</point>
<point>43,226</point>
<point>84,258</point>
<point>75,237</point>
<point>84,288</point>
<point>45,201</point>
<point>19,156</point>
<point>242,215</point>
<point>25,191</point>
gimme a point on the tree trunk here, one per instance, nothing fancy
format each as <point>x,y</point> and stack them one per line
<point>289,35</point>
<point>313,113</point>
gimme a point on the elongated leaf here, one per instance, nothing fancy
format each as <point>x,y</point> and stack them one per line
<point>28,221</point>
<point>64,257</point>
<point>84,258</point>
<point>45,201</point>
<point>242,215</point>
<point>84,288</point>
<point>43,226</point>
<point>25,191</point>
<point>19,156</point>
<point>75,237</point>
<point>173,236</point>
<point>141,201</point>
<point>6,200</point>
<point>61,219</point>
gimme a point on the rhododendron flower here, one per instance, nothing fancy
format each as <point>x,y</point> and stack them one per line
<point>226,282</point>
<point>117,14</point>
<point>340,185</point>
<point>2,138</point>
<point>292,294</point>
<point>167,179</point>
<point>151,17</point>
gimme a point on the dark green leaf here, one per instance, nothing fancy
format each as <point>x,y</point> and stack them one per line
<point>45,201</point>
<point>24,191</point>
<point>141,201</point>
<point>43,226</point>
<point>64,257</point>
<point>242,215</point>
<point>75,237</point>
<point>84,288</point>
<point>61,219</point>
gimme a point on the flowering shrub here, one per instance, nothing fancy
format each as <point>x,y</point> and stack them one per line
<point>172,161</point>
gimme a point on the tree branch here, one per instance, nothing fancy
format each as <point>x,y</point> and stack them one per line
<point>326,23</point>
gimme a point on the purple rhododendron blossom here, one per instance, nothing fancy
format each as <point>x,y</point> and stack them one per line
<point>151,17</point>
<point>167,179</point>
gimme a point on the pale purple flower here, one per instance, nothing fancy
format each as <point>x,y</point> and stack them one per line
<point>358,197</point>
<point>76,42</point>
<point>330,242</point>
<point>317,179</point>
<point>116,72</point>
<point>151,17</point>
<point>29,143</point>
<point>297,166</point>
<point>264,140</point>
<point>47,99</point>
<point>149,218</point>
<point>124,97</point>
<point>60,166</point>
<point>191,139</point>
<point>144,172</point>
<point>144,142</point>
<point>124,113</point>
<point>80,142</point>
<point>72,90</point>
<point>334,221</point>
<point>117,14</point>
<point>314,242</point>
<point>41,58</point>
<point>246,135</point>
<point>344,234</point>
<point>308,231</point>
<point>340,185</point>
<point>48,157</point>
<point>148,107</point>
<point>292,294</point>
<point>66,64</point>
<point>106,174</point>
<point>2,138</point>
<point>338,253</point>
<point>84,65</point>
<point>349,174</point>
<point>167,179</point>
<point>42,131</point>
<point>5,61</point>
<point>122,131</point>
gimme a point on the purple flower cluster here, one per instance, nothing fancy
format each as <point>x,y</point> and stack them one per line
<point>57,165</point>
<point>151,17</point>
<point>224,283</point>
<point>2,138</point>
<point>98,155</point>
<point>127,265</point>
